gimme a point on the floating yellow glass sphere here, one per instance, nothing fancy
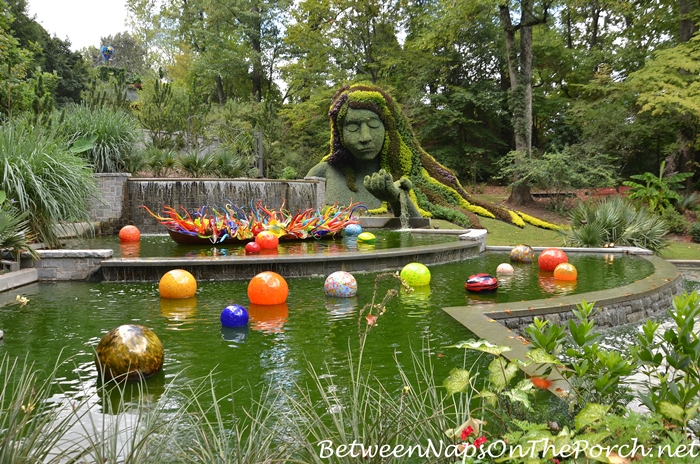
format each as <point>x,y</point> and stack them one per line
<point>565,271</point>
<point>177,283</point>
<point>366,237</point>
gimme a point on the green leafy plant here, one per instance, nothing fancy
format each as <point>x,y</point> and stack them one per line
<point>46,181</point>
<point>14,229</point>
<point>160,161</point>
<point>657,192</point>
<point>615,220</point>
<point>695,232</point>
<point>676,222</point>
<point>671,362</point>
<point>559,171</point>
<point>105,137</point>
<point>229,165</point>
<point>197,164</point>
<point>596,374</point>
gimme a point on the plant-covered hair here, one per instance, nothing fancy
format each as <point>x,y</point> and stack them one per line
<point>396,156</point>
<point>402,155</point>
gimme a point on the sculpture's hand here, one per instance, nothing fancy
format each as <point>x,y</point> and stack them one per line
<point>382,185</point>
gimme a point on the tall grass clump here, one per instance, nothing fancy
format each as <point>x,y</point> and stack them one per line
<point>114,131</point>
<point>615,220</point>
<point>30,427</point>
<point>45,180</point>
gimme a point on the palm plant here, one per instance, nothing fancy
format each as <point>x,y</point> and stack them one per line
<point>47,182</point>
<point>615,220</point>
<point>197,164</point>
<point>160,161</point>
<point>114,133</point>
<point>230,165</point>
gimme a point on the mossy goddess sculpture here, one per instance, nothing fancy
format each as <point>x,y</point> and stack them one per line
<point>371,141</point>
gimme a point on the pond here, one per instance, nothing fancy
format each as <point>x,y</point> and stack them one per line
<point>162,246</point>
<point>280,341</point>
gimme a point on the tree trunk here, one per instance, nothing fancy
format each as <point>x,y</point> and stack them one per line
<point>520,73</point>
<point>220,90</point>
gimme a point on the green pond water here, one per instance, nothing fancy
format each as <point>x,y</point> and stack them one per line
<point>280,342</point>
<point>152,246</point>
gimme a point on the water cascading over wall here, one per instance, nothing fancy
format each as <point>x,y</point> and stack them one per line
<point>192,194</point>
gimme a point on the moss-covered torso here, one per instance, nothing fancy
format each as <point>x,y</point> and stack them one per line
<point>337,185</point>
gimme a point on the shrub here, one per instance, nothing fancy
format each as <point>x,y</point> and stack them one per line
<point>676,222</point>
<point>115,134</point>
<point>695,232</point>
<point>615,220</point>
<point>227,164</point>
<point>197,164</point>
<point>45,180</point>
<point>289,173</point>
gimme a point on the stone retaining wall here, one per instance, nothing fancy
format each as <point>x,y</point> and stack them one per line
<point>68,264</point>
<point>108,210</point>
<point>611,314</point>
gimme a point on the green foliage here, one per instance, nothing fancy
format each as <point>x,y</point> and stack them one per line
<point>113,133</point>
<point>47,182</point>
<point>675,221</point>
<point>197,164</point>
<point>595,373</point>
<point>14,228</point>
<point>229,165</point>
<point>615,220</point>
<point>289,173</point>
<point>671,362</point>
<point>695,232</point>
<point>657,193</point>
<point>158,112</point>
<point>160,161</point>
<point>560,171</point>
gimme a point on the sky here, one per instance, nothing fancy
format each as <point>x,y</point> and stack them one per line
<point>83,22</point>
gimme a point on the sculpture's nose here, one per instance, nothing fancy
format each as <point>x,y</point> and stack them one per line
<point>365,133</point>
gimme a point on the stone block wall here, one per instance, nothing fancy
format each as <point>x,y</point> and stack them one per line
<point>611,314</point>
<point>56,265</point>
<point>108,209</point>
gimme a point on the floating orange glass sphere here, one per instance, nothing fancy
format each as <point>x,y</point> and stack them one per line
<point>268,288</point>
<point>565,271</point>
<point>177,283</point>
<point>267,240</point>
<point>129,234</point>
<point>550,258</point>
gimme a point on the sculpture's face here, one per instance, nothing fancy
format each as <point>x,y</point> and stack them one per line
<point>363,133</point>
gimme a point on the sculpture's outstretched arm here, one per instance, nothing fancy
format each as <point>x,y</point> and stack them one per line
<point>382,185</point>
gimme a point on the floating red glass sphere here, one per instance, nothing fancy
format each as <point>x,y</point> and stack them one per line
<point>267,240</point>
<point>551,258</point>
<point>129,234</point>
<point>481,283</point>
<point>252,247</point>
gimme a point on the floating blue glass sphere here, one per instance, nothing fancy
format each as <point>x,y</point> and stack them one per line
<point>353,230</point>
<point>234,316</point>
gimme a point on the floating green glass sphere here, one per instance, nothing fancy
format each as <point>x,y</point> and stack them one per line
<point>416,274</point>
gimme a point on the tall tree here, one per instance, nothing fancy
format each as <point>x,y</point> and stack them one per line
<point>520,75</point>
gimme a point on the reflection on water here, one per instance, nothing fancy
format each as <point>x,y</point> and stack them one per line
<point>179,312</point>
<point>236,335</point>
<point>341,308</point>
<point>268,318</point>
<point>163,246</point>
